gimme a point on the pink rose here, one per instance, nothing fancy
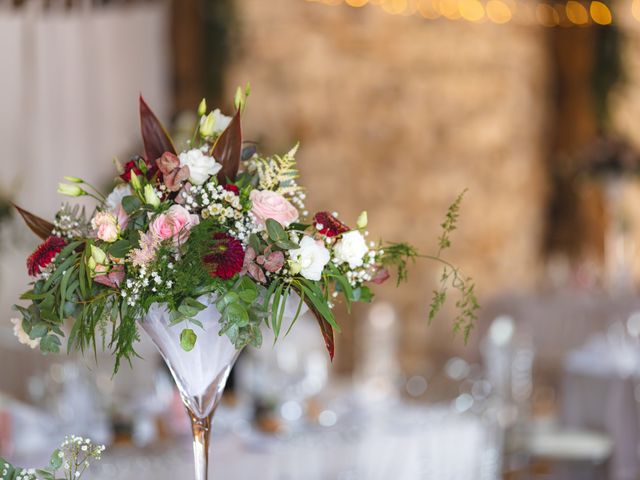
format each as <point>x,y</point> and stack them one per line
<point>267,204</point>
<point>174,224</point>
<point>106,226</point>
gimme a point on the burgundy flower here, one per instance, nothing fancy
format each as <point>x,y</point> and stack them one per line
<point>225,257</point>
<point>173,174</point>
<point>130,166</point>
<point>44,255</point>
<point>230,187</point>
<point>331,226</point>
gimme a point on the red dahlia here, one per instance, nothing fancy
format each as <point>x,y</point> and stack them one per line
<point>44,254</point>
<point>230,187</point>
<point>331,226</point>
<point>225,257</point>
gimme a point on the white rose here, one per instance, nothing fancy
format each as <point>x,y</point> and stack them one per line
<point>351,248</point>
<point>114,200</point>
<point>310,258</point>
<point>201,166</point>
<point>23,337</point>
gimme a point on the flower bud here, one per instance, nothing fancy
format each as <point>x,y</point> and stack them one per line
<point>202,108</point>
<point>150,196</point>
<point>98,255</point>
<point>363,220</point>
<point>135,181</point>
<point>238,99</point>
<point>73,179</point>
<point>70,190</point>
<point>294,267</point>
<point>207,125</point>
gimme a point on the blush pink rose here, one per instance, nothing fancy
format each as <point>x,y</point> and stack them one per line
<point>106,227</point>
<point>174,224</point>
<point>267,204</point>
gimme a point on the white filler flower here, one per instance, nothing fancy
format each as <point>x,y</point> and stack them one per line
<point>23,337</point>
<point>201,166</point>
<point>351,249</point>
<point>310,258</point>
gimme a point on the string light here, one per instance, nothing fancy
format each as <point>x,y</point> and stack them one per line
<point>547,13</point>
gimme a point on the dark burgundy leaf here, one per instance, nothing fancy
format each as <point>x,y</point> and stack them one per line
<point>42,228</point>
<point>325,328</point>
<point>228,150</point>
<point>154,136</point>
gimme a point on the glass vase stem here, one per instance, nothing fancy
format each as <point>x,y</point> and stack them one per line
<point>201,428</point>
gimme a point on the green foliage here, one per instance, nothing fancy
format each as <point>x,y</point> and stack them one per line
<point>188,339</point>
<point>68,462</point>
<point>241,313</point>
<point>450,223</point>
<point>398,255</point>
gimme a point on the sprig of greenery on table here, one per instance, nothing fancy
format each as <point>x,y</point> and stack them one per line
<point>68,462</point>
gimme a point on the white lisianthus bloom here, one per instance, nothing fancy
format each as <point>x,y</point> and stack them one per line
<point>310,258</point>
<point>114,200</point>
<point>351,249</point>
<point>23,337</point>
<point>201,166</point>
<point>214,123</point>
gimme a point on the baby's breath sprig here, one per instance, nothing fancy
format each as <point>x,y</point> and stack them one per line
<point>72,459</point>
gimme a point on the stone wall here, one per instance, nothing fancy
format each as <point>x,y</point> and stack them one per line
<point>399,115</point>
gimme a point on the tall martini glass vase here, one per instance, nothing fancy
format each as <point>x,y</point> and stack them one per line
<point>200,374</point>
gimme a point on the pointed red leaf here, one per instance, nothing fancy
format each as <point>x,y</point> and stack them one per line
<point>41,227</point>
<point>325,328</point>
<point>228,150</point>
<point>154,136</point>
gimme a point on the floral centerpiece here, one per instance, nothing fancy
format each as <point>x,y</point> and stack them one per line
<point>203,247</point>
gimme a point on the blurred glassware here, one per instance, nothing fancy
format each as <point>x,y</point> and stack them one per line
<point>377,373</point>
<point>282,381</point>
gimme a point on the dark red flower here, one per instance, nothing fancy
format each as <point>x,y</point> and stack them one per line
<point>130,166</point>
<point>44,254</point>
<point>225,257</point>
<point>331,226</point>
<point>230,187</point>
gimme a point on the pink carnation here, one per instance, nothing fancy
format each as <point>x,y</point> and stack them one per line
<point>174,224</point>
<point>267,204</point>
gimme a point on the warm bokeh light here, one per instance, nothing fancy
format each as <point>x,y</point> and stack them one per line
<point>395,7</point>
<point>600,13</point>
<point>428,8</point>
<point>471,10</point>
<point>449,9</point>
<point>356,3</point>
<point>547,15</point>
<point>576,12</point>
<point>498,11</point>
<point>635,9</point>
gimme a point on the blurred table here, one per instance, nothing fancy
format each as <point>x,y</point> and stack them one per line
<point>404,441</point>
<point>599,384</point>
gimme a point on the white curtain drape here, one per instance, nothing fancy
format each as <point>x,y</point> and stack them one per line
<point>69,85</point>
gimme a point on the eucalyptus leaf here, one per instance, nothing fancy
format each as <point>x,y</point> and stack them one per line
<point>188,339</point>
<point>275,230</point>
<point>131,203</point>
